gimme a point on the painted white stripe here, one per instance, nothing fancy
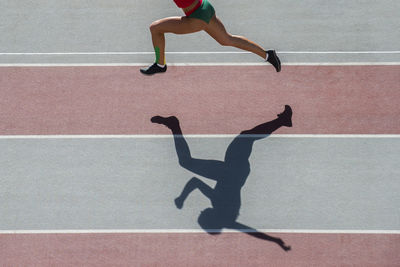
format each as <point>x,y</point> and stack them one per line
<point>187,53</point>
<point>394,63</point>
<point>196,136</point>
<point>178,231</point>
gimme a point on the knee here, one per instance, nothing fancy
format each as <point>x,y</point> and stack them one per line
<point>194,181</point>
<point>225,41</point>
<point>184,162</point>
<point>154,27</point>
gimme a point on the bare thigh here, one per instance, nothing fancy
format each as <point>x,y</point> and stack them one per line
<point>178,25</point>
<point>216,30</point>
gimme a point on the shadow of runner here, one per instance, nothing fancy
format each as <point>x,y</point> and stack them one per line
<point>230,175</point>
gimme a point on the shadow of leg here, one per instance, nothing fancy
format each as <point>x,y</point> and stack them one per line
<point>193,184</point>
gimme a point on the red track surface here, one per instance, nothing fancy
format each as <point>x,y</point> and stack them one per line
<point>228,249</point>
<point>119,100</point>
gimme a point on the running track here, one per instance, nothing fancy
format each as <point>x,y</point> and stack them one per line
<point>82,183</point>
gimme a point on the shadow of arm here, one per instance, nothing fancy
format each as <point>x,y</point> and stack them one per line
<point>253,232</point>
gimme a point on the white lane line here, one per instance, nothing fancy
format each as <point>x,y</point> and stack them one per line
<point>187,53</point>
<point>394,63</point>
<point>375,136</point>
<point>178,231</point>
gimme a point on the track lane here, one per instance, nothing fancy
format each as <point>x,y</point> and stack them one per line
<point>118,100</point>
<point>294,183</point>
<point>198,249</point>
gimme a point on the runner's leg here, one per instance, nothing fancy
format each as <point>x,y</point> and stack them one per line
<point>217,31</point>
<point>212,169</point>
<point>241,147</point>
<point>177,25</point>
<point>190,186</point>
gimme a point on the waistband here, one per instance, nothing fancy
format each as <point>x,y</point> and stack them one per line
<point>195,8</point>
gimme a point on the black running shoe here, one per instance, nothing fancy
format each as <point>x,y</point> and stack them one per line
<point>286,116</point>
<point>153,69</point>
<point>274,60</point>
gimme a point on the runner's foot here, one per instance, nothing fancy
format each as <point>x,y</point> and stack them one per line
<point>178,203</point>
<point>286,116</point>
<point>274,60</point>
<point>153,69</point>
<point>170,122</point>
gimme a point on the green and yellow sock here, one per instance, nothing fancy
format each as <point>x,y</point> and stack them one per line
<point>157,51</point>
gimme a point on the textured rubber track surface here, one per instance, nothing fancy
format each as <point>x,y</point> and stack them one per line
<point>119,100</point>
<point>198,249</point>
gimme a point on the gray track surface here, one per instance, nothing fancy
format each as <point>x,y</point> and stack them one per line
<point>122,26</point>
<point>295,183</point>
